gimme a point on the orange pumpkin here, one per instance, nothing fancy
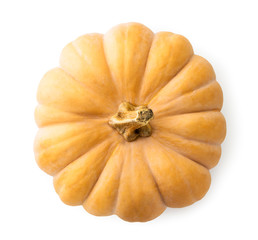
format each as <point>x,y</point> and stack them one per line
<point>130,123</point>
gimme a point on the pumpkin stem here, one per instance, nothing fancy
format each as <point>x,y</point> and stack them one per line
<point>132,121</point>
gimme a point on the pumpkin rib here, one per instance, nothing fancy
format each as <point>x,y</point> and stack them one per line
<point>185,113</point>
<point>54,108</point>
<point>42,113</point>
<point>202,73</point>
<point>68,139</point>
<point>80,117</point>
<point>75,121</point>
<point>52,92</point>
<point>118,86</point>
<point>52,146</point>
<point>194,198</point>
<point>178,114</point>
<point>142,203</point>
<point>205,127</point>
<point>141,79</point>
<point>182,95</point>
<point>212,143</point>
<point>106,159</point>
<point>109,70</point>
<point>85,59</point>
<point>85,116</point>
<point>124,57</point>
<point>186,181</point>
<point>167,110</point>
<point>196,89</point>
<point>192,139</point>
<point>166,58</point>
<point>60,143</point>
<point>101,201</point>
<point>71,76</point>
<point>164,143</point>
<point>126,54</point>
<point>111,74</point>
<point>188,159</point>
<point>154,179</point>
<point>78,52</point>
<point>91,90</point>
<point>59,187</point>
<point>141,83</point>
<point>187,184</point>
<point>118,190</point>
<point>170,80</point>
<point>91,148</point>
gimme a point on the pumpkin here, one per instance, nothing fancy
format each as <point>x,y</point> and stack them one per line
<point>130,123</point>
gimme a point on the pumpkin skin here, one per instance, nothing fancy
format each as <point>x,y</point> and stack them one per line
<point>91,162</point>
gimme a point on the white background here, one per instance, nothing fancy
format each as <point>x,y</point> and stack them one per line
<point>33,34</point>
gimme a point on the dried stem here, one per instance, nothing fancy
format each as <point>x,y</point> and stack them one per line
<point>132,121</point>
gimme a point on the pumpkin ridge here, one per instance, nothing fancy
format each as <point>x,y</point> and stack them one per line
<point>183,113</point>
<point>162,112</point>
<point>196,89</point>
<point>55,108</point>
<point>186,113</point>
<point>190,61</point>
<point>192,139</point>
<point>70,137</point>
<point>124,56</point>
<point>186,181</point>
<point>77,50</point>
<point>88,88</point>
<point>107,182</point>
<point>41,112</point>
<point>62,142</point>
<point>130,56</point>
<point>164,143</point>
<point>208,118</point>
<point>64,170</point>
<point>106,159</point>
<point>143,75</point>
<point>154,96</point>
<point>90,149</point>
<point>73,77</point>
<point>84,119</point>
<point>86,116</point>
<point>109,70</point>
<point>118,190</point>
<point>117,86</point>
<point>113,81</point>
<point>154,179</point>
<point>86,60</point>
